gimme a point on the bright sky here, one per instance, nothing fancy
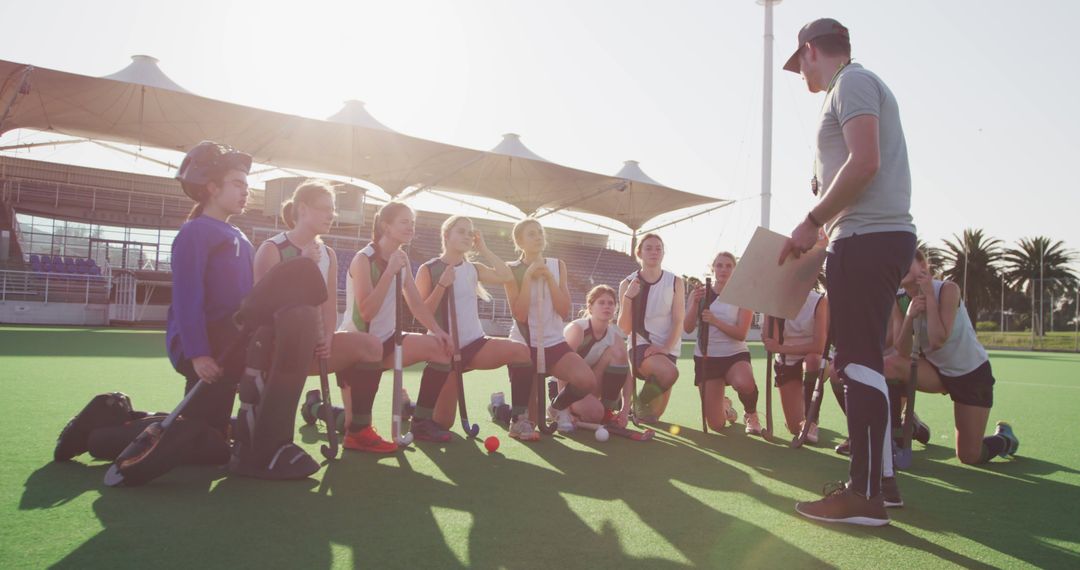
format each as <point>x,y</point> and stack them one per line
<point>987,90</point>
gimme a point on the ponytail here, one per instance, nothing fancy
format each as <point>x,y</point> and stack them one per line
<point>196,211</point>
<point>288,214</point>
<point>306,193</point>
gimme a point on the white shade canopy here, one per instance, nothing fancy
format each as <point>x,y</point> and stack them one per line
<point>140,105</point>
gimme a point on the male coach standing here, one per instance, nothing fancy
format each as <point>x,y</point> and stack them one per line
<point>863,184</point>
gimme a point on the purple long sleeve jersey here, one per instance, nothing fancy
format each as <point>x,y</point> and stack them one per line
<point>211,273</point>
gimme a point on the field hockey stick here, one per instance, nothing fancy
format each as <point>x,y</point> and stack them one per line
<point>139,453</point>
<point>399,373</point>
<point>470,429</point>
<point>541,364</point>
<point>767,434</point>
<point>633,361</point>
<point>635,435</point>
<point>146,442</point>
<point>903,457</point>
<point>703,339</point>
<point>815,400</point>
<point>328,451</point>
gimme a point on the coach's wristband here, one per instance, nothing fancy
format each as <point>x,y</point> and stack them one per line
<point>813,220</point>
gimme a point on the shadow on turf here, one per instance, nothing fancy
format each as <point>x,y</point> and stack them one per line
<point>1001,505</point>
<point>375,512</point>
<point>80,342</point>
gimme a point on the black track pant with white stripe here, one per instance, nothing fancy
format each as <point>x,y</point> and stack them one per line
<point>862,273</point>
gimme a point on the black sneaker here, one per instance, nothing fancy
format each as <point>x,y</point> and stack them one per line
<point>289,462</point>
<point>1004,429</point>
<point>104,410</point>
<point>842,505</point>
<point>922,431</point>
<point>890,491</point>
<point>844,448</point>
<point>428,430</point>
<point>309,408</point>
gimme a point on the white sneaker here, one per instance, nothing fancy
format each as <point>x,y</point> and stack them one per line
<point>564,422</point>
<point>497,399</point>
<point>729,411</point>
<point>753,424</point>
<point>812,433</point>
<point>523,429</point>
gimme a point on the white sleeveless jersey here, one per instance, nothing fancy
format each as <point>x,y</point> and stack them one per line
<point>658,306</point>
<point>962,352</point>
<point>553,323</point>
<point>382,326</point>
<point>468,314</point>
<point>592,347</point>
<point>800,330</point>
<point>287,250</point>
<point>721,344</point>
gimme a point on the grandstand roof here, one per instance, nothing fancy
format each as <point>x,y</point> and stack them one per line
<point>140,105</point>
<point>144,70</point>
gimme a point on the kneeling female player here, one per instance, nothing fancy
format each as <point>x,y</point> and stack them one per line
<point>603,346</point>
<point>727,362</point>
<point>452,273</point>
<point>309,214</point>
<point>797,343</point>
<point>371,307</point>
<point>539,298</point>
<point>652,310</point>
<point>951,362</point>
<point>212,272</point>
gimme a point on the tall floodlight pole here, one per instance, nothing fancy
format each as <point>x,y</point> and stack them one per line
<point>1002,327</point>
<point>766,114</point>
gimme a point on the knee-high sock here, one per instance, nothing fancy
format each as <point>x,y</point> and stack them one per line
<point>569,395</point>
<point>896,405</point>
<point>837,384</point>
<point>431,384</point>
<point>749,401</point>
<point>611,384</point>
<point>649,392</point>
<point>808,384</point>
<point>521,381</point>
<point>868,428</point>
<point>363,385</point>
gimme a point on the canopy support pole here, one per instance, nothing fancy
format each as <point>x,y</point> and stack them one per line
<point>474,205</point>
<point>25,146</point>
<point>166,164</point>
<point>425,187</point>
<point>691,216</point>
<point>620,186</point>
<point>21,89</point>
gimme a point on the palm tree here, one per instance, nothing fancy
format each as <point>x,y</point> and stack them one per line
<point>934,255</point>
<point>970,260</point>
<point>1037,262</point>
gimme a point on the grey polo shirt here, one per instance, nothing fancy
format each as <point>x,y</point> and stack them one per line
<point>885,206</point>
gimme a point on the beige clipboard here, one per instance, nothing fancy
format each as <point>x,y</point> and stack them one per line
<point>759,284</point>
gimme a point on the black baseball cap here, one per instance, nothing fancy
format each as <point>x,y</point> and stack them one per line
<point>812,31</point>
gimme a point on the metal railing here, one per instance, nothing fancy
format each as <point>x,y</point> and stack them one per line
<point>53,287</point>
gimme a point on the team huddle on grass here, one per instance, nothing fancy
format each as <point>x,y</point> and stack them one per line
<point>254,324</point>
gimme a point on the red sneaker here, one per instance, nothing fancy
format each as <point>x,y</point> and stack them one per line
<point>368,440</point>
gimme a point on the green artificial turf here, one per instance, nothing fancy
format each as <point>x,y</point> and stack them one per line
<point>684,500</point>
